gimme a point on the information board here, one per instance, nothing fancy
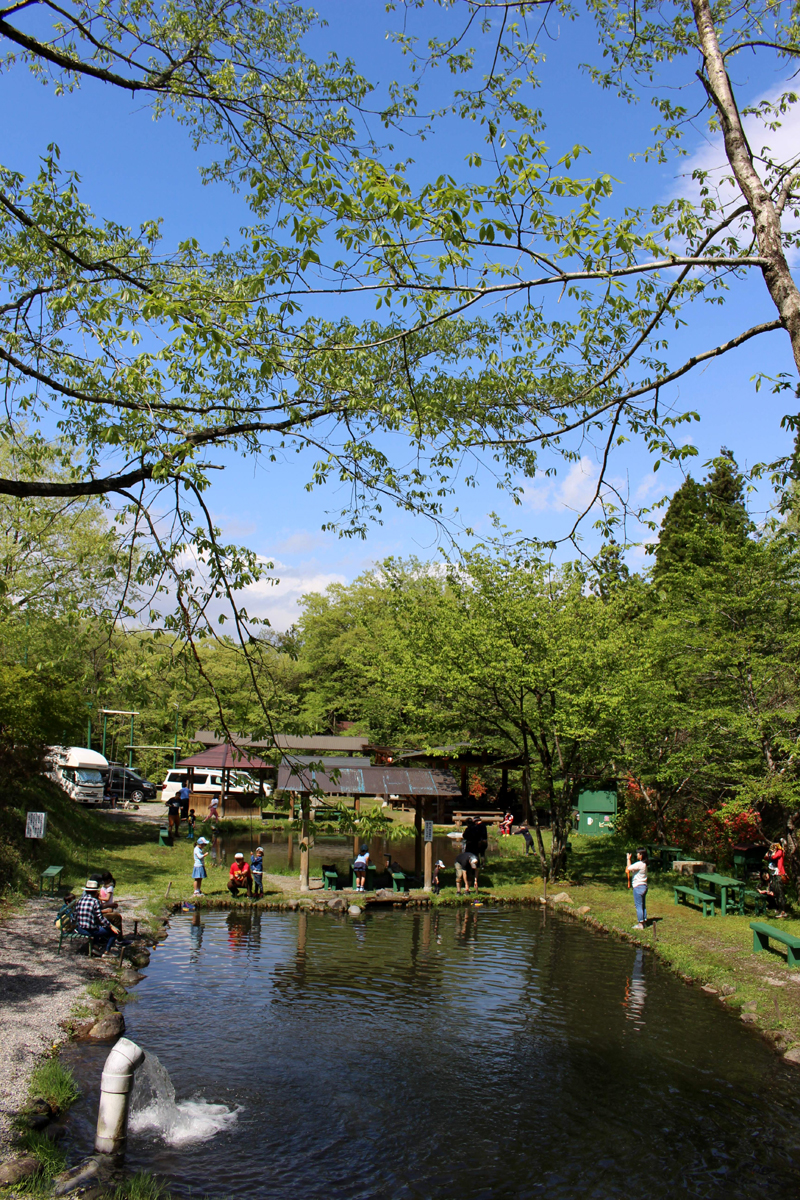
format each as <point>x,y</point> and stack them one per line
<point>429,831</point>
<point>36,825</point>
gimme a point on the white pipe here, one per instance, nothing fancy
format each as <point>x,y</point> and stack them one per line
<point>115,1097</point>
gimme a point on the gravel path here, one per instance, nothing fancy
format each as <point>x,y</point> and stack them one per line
<point>38,989</point>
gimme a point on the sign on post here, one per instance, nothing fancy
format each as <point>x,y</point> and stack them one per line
<point>35,825</point>
<point>429,831</point>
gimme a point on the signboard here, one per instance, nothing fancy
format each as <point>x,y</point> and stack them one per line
<point>36,825</point>
<point>429,831</point>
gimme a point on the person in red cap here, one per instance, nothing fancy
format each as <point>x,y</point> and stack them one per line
<point>240,876</point>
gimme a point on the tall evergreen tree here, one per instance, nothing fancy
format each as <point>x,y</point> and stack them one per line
<point>719,502</point>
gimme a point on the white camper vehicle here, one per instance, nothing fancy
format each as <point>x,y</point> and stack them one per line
<point>80,773</point>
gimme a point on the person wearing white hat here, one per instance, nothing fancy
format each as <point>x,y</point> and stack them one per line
<point>89,919</point>
<point>240,875</point>
<point>435,884</point>
<point>199,872</point>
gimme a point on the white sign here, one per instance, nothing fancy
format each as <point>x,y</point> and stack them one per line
<point>36,825</point>
<point>429,831</point>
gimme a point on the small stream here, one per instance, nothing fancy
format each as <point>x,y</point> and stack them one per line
<point>480,1054</point>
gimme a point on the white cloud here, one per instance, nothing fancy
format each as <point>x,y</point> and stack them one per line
<point>573,492</point>
<point>278,601</point>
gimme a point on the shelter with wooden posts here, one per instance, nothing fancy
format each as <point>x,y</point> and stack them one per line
<point>224,758</point>
<point>428,790</point>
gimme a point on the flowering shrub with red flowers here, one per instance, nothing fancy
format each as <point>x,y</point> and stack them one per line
<point>477,788</point>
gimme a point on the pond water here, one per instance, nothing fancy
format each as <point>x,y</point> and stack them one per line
<point>279,851</point>
<point>474,1054</point>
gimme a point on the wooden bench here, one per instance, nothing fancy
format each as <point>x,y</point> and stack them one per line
<point>682,894</point>
<point>488,818</point>
<point>330,877</point>
<point>759,902</point>
<point>762,934</point>
<point>65,924</point>
<point>53,874</point>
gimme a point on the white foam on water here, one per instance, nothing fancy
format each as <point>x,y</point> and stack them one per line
<point>154,1109</point>
<point>185,1123</point>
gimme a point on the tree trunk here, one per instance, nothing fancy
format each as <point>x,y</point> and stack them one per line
<point>526,799</point>
<point>766,216</point>
<point>561,821</point>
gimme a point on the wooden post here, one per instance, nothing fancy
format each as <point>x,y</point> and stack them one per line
<point>304,804</point>
<point>428,851</point>
<point>291,805</point>
<point>418,837</point>
<point>291,848</point>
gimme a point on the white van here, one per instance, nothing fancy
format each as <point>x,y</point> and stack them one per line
<point>208,782</point>
<point>79,772</point>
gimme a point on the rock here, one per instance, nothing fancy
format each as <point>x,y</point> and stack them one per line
<point>111,1026</point>
<point>779,1038</point>
<point>37,1120</point>
<point>80,1029</point>
<point>562,898</point>
<point>749,1018</point>
<point>39,1107</point>
<point>582,911</point>
<point>137,958</point>
<point>293,905</point>
<point>131,978</point>
<point>18,1169</point>
<point>750,1006</point>
<point>727,989</point>
<point>55,1131</point>
<point>337,904</point>
<point>354,910</point>
<point>385,894</point>
<point>792,1056</point>
<point>708,989</point>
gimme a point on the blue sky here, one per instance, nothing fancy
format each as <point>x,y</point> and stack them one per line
<point>133,169</point>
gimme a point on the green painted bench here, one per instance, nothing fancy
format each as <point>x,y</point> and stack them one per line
<point>682,894</point>
<point>761,939</point>
<point>65,924</point>
<point>330,877</point>
<point>53,875</point>
<point>401,881</point>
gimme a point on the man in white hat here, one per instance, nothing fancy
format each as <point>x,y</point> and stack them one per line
<point>240,876</point>
<point>89,919</point>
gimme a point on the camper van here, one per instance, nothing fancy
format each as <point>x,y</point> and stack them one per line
<point>79,772</point>
<point>208,781</point>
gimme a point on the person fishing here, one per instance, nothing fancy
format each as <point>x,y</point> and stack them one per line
<point>637,879</point>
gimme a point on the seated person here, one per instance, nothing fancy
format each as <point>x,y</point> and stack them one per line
<point>89,919</point>
<point>108,905</point>
<point>772,888</point>
<point>240,876</point>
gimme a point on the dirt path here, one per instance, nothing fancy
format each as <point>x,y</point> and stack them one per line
<point>38,989</point>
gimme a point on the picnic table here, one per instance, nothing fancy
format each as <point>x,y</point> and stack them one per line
<point>726,884</point>
<point>53,877</point>
<point>667,854</point>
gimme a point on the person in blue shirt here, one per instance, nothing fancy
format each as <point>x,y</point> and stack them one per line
<point>257,871</point>
<point>184,795</point>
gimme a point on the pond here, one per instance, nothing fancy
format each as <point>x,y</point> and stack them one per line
<point>475,1054</point>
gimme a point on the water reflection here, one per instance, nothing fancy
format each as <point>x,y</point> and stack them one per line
<point>636,990</point>
<point>196,935</point>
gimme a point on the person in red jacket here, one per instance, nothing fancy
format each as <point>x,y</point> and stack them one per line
<point>240,876</point>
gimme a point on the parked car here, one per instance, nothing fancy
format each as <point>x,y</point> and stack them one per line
<point>209,782</point>
<point>124,784</point>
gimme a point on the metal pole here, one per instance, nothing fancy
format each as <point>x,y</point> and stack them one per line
<point>130,748</point>
<point>175,751</point>
<point>105,727</point>
<point>89,732</point>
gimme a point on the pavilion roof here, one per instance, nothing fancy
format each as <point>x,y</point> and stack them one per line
<point>288,741</point>
<point>369,781</point>
<point>223,756</point>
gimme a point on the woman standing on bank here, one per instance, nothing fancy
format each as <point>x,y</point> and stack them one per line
<point>637,874</point>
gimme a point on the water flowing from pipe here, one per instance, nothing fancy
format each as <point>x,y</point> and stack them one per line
<point>154,1109</point>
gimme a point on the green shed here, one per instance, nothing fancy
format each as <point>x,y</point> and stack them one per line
<point>597,810</point>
